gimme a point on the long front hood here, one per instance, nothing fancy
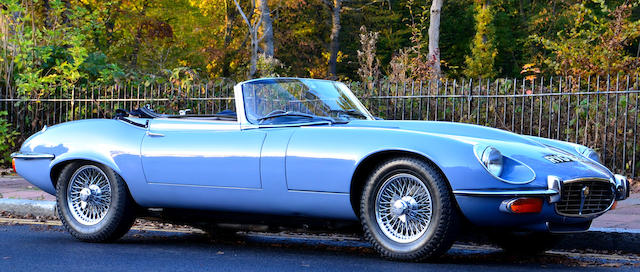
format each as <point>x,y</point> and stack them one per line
<point>450,129</point>
<point>526,149</point>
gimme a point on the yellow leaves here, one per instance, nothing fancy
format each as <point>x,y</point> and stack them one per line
<point>209,7</point>
<point>530,71</point>
<point>483,51</point>
<point>326,55</point>
<point>592,44</point>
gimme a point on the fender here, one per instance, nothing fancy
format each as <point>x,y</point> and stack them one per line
<point>113,143</point>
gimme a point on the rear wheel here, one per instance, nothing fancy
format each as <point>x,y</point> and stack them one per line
<point>407,210</point>
<point>93,202</point>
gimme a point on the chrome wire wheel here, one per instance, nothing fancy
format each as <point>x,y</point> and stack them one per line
<point>89,195</point>
<point>403,208</point>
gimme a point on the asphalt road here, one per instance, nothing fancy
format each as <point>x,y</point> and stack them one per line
<point>49,248</point>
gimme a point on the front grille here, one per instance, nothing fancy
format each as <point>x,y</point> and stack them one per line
<point>585,197</point>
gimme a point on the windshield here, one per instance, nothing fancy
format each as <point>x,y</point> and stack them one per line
<point>291,100</point>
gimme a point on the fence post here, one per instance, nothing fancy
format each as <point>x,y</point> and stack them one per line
<point>73,103</point>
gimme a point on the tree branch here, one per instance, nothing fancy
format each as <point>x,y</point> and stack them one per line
<point>244,16</point>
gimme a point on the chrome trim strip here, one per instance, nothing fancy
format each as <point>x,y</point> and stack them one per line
<point>505,206</point>
<point>505,193</point>
<point>318,192</point>
<point>588,178</point>
<point>317,123</point>
<point>204,186</point>
<point>32,156</point>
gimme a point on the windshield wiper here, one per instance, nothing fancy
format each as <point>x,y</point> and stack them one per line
<point>350,112</point>
<point>276,114</point>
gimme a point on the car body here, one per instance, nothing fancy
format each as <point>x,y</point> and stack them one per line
<point>317,168</point>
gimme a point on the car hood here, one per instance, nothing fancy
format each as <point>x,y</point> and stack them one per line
<point>450,129</point>
<point>526,149</point>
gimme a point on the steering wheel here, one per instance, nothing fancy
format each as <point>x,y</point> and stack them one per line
<point>275,112</point>
<point>270,114</point>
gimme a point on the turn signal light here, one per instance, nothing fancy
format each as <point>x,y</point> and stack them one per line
<point>13,165</point>
<point>525,205</point>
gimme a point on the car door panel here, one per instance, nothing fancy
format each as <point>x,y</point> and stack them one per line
<point>202,153</point>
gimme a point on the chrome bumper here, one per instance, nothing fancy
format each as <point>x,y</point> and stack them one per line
<point>620,182</point>
<point>32,156</point>
<point>622,187</point>
<point>553,191</point>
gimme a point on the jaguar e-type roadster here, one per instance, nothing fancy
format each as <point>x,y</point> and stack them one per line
<point>308,148</point>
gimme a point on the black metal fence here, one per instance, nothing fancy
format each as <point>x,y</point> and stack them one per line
<point>600,112</point>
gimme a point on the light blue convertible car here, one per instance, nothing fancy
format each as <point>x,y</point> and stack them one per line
<point>308,148</point>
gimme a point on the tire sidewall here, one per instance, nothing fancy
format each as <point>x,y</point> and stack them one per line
<point>376,181</point>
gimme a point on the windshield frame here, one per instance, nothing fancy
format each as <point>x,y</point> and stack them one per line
<point>245,122</point>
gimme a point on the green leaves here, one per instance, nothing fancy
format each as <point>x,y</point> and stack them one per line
<point>591,41</point>
<point>7,139</point>
<point>48,46</point>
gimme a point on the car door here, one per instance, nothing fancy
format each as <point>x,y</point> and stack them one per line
<point>201,153</point>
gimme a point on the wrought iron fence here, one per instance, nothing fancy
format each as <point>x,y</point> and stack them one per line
<point>600,112</point>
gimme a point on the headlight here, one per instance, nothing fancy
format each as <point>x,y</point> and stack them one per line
<point>588,153</point>
<point>491,158</point>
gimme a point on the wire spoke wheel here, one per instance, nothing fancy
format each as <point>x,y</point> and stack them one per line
<point>89,195</point>
<point>403,208</point>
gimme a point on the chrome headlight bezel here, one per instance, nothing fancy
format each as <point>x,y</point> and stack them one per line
<point>490,158</point>
<point>588,153</point>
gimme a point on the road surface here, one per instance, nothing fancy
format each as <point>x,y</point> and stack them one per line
<point>34,247</point>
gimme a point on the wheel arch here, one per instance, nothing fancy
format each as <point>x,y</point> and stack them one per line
<point>57,167</point>
<point>368,164</point>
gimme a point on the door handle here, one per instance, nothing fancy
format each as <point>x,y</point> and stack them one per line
<point>153,134</point>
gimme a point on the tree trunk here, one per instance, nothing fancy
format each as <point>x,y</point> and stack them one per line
<point>434,36</point>
<point>138,38</point>
<point>267,28</point>
<point>253,33</point>
<point>335,32</point>
<point>228,22</point>
<point>254,53</point>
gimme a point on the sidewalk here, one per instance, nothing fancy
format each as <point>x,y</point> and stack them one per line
<point>626,215</point>
<point>15,187</point>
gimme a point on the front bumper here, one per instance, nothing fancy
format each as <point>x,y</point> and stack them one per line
<point>35,168</point>
<point>32,156</point>
<point>487,207</point>
<point>623,190</point>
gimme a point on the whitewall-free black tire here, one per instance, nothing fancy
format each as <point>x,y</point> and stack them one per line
<point>93,202</point>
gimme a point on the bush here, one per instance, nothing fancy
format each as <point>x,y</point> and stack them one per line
<point>7,137</point>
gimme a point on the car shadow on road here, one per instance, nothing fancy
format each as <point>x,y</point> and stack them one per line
<point>460,254</point>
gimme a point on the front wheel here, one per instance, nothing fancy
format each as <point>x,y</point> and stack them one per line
<point>407,210</point>
<point>93,202</point>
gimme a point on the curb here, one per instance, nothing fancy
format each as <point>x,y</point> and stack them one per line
<point>24,207</point>
<point>608,239</point>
